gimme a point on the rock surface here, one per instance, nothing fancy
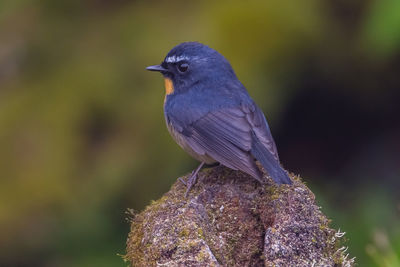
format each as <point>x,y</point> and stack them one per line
<point>229,219</point>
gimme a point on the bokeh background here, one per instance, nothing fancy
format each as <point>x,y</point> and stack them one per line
<point>82,132</point>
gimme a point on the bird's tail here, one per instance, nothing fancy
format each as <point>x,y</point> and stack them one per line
<point>270,164</point>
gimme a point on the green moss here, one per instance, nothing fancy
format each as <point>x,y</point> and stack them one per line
<point>134,241</point>
<point>184,233</point>
<point>200,233</point>
<point>201,257</point>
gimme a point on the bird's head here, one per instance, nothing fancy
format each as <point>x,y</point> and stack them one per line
<point>191,63</point>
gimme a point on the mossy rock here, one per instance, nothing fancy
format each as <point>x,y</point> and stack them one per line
<point>229,219</point>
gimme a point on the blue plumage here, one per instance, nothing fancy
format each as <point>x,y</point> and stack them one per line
<point>211,116</point>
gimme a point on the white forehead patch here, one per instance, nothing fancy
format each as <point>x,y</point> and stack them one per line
<point>174,59</point>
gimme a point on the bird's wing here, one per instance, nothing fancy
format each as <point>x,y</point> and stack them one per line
<point>226,136</point>
<point>263,146</point>
<point>259,125</point>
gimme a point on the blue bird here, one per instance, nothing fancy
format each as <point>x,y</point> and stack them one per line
<point>211,116</point>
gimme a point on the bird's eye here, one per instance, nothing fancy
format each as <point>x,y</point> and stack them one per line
<point>182,67</point>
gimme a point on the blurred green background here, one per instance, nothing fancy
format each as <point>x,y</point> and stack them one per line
<point>83,137</point>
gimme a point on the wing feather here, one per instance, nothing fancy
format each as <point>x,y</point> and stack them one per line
<point>229,136</point>
<point>225,136</point>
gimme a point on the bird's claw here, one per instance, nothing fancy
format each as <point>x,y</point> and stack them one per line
<point>192,179</point>
<point>183,181</point>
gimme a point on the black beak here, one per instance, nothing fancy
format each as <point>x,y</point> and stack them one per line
<point>156,68</point>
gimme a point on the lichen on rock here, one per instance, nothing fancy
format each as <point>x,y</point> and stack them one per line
<point>229,219</point>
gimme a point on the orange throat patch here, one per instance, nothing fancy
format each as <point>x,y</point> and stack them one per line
<point>169,87</point>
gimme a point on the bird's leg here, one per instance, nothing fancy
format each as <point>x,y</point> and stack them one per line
<point>183,181</point>
<point>192,179</point>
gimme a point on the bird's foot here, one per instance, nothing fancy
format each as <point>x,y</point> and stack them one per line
<point>192,179</point>
<point>183,181</point>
